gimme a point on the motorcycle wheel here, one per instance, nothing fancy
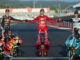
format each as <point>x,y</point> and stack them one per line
<point>70,54</point>
<point>12,52</point>
<point>42,53</point>
<point>18,52</point>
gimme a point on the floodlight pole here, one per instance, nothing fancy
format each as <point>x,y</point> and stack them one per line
<point>34,2</point>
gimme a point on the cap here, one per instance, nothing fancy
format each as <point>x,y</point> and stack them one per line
<point>7,10</point>
<point>76,12</point>
<point>41,10</point>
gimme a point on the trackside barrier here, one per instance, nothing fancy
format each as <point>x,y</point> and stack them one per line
<point>40,58</point>
<point>62,24</point>
<point>24,10</point>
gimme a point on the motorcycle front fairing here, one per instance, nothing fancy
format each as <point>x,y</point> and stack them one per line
<point>73,43</point>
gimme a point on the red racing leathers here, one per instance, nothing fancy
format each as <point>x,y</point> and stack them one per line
<point>42,26</point>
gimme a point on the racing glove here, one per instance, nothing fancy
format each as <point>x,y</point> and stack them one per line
<point>26,20</point>
<point>59,20</point>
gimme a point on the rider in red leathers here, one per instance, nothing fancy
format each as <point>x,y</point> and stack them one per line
<point>42,26</point>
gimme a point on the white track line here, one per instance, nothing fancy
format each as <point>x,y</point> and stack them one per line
<point>39,58</point>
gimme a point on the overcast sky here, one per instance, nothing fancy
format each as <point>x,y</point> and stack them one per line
<point>54,0</point>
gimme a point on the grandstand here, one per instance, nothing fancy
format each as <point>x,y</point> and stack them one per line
<point>69,11</point>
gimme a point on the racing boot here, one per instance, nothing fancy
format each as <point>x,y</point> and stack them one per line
<point>38,43</point>
<point>47,43</point>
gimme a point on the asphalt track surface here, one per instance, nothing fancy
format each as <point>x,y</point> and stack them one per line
<point>28,33</point>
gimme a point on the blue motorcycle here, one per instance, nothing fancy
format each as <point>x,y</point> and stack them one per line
<point>73,44</point>
<point>73,47</point>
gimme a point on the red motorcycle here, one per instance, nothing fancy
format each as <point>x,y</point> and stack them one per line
<point>42,48</point>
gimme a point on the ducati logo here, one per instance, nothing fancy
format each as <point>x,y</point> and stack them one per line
<point>42,19</point>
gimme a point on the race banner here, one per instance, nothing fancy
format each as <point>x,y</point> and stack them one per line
<point>2,10</point>
<point>19,10</point>
<point>24,10</point>
<point>34,10</point>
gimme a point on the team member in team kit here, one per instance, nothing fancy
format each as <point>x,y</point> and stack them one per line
<point>76,23</point>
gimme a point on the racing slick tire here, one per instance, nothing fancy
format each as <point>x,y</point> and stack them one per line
<point>70,54</point>
<point>18,52</point>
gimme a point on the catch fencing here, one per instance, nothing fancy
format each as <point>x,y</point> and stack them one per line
<point>62,24</point>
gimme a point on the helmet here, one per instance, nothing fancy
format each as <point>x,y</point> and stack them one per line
<point>7,10</point>
<point>41,10</point>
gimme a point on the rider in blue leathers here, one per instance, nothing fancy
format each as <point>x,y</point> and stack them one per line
<point>5,23</point>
